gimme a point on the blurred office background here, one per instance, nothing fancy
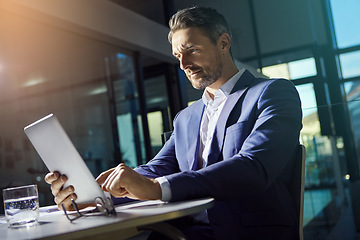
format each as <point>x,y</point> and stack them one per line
<point>104,67</point>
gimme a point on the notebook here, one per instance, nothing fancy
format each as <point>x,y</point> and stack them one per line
<point>59,154</point>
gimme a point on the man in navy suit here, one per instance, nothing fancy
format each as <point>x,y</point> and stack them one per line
<point>236,144</point>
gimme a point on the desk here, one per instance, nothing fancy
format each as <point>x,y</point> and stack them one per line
<point>55,225</point>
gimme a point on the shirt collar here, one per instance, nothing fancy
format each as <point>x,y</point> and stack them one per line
<point>224,91</point>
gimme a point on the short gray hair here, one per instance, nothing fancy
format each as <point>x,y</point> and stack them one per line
<point>208,19</point>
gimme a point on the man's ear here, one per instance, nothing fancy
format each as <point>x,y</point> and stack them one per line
<point>225,42</point>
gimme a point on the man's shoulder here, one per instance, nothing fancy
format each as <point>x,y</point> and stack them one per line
<point>259,86</point>
<point>264,82</point>
<point>193,107</point>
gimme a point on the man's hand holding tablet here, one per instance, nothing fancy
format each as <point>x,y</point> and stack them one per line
<point>121,181</point>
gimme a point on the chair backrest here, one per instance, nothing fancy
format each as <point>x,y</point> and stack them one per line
<point>165,136</point>
<point>297,185</point>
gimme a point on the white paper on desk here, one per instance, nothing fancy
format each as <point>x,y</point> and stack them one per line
<point>143,207</point>
<point>3,220</point>
<point>84,210</point>
<point>54,209</point>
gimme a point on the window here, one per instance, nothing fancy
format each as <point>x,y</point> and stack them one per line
<point>292,70</point>
<point>319,168</point>
<point>308,101</point>
<point>350,64</point>
<point>155,121</point>
<point>353,100</point>
<point>302,68</point>
<point>346,22</point>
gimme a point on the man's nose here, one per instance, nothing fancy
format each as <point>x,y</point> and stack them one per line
<point>184,62</point>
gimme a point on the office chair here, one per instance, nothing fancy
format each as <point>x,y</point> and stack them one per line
<point>165,136</point>
<point>297,185</point>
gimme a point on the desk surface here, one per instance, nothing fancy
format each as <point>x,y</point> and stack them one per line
<point>55,225</point>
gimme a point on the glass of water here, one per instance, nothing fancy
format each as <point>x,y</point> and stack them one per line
<point>21,206</point>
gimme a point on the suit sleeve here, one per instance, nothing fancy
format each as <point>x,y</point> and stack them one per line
<point>273,133</point>
<point>164,163</point>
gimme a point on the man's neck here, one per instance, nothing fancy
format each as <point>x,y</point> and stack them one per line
<point>228,73</point>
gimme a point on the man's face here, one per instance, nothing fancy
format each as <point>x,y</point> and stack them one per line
<point>199,58</point>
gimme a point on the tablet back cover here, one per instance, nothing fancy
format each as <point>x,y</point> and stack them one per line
<point>59,154</point>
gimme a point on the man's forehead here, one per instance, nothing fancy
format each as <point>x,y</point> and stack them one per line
<point>190,32</point>
<point>186,38</point>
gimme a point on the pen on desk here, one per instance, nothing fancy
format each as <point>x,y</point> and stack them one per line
<point>49,209</point>
<point>52,210</point>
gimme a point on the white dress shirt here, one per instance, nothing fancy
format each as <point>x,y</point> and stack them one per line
<point>208,122</point>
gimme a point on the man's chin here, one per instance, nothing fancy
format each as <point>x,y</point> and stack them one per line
<point>200,83</point>
<point>198,86</point>
<point>196,83</point>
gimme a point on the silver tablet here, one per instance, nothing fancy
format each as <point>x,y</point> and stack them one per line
<point>59,154</point>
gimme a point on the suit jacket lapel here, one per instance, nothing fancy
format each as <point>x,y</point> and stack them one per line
<point>193,131</point>
<point>239,89</point>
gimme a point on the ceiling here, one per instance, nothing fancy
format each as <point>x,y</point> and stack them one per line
<point>275,29</point>
<point>155,11</point>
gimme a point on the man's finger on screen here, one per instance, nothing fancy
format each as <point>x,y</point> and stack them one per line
<point>103,176</point>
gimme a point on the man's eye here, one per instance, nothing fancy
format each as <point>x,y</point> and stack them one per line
<point>192,50</point>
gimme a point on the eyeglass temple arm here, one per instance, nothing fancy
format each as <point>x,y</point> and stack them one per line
<point>73,203</point>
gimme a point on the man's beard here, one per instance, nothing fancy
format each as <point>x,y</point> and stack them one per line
<point>208,78</point>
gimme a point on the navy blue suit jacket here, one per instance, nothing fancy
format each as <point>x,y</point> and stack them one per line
<point>249,164</point>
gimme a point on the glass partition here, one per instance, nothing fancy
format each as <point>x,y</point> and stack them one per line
<point>121,77</point>
<point>158,109</point>
<point>44,69</point>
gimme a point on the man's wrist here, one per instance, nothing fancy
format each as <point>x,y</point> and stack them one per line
<point>157,189</point>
